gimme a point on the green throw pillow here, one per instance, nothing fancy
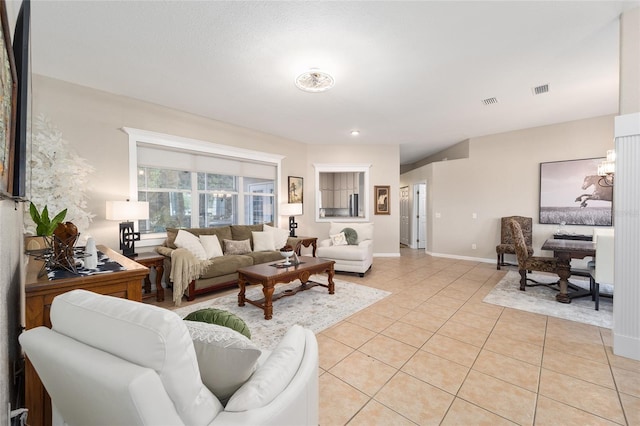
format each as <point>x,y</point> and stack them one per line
<point>351,235</point>
<point>220,317</point>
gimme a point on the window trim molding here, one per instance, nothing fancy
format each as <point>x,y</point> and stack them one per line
<point>180,143</point>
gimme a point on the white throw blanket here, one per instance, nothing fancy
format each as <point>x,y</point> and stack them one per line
<point>185,267</point>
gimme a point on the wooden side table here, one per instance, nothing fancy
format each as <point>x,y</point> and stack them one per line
<point>156,261</point>
<point>39,294</point>
<point>306,241</point>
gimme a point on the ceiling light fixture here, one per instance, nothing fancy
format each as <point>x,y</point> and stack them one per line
<point>315,81</point>
<point>355,132</point>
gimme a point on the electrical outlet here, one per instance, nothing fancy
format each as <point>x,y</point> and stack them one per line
<point>438,215</point>
<point>474,215</point>
<point>473,246</point>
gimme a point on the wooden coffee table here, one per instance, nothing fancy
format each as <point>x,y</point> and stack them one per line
<point>269,275</point>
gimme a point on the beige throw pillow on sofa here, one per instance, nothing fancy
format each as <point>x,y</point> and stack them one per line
<point>263,241</point>
<point>187,240</point>
<point>211,246</point>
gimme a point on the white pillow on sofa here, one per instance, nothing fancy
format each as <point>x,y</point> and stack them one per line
<point>226,358</point>
<point>187,240</point>
<point>211,246</point>
<point>280,236</point>
<point>338,239</point>
<point>263,241</point>
<point>273,376</point>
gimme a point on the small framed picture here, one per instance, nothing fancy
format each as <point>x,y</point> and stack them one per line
<point>296,189</point>
<point>382,199</point>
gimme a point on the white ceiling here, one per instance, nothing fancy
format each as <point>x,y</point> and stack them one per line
<point>407,73</point>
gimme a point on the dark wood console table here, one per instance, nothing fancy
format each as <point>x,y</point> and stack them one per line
<point>565,250</point>
<point>578,237</point>
<point>39,293</point>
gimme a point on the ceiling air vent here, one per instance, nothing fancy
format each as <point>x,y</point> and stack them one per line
<point>538,90</point>
<point>490,101</point>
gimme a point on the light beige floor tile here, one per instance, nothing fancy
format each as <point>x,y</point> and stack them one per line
<point>484,309</point>
<point>631,407</point>
<point>363,372</point>
<point>627,381</point>
<point>424,320</point>
<point>598,400</point>
<point>509,369</point>
<point>439,372</point>
<point>522,332</point>
<point>622,362</point>
<point>473,320</point>
<point>456,294</point>
<point>414,399</point>
<point>436,310</point>
<point>463,333</point>
<point>369,319</point>
<point>388,350</point>
<point>464,413</point>
<point>350,334</point>
<point>552,413</point>
<point>331,351</point>
<point>590,351</point>
<point>523,351</point>
<point>452,349</point>
<point>504,399</point>
<point>447,301</point>
<point>339,402</point>
<point>391,310</point>
<point>575,366</point>
<point>376,414</point>
<point>408,333</point>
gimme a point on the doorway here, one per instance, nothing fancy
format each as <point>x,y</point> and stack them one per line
<point>405,212</point>
<point>419,216</point>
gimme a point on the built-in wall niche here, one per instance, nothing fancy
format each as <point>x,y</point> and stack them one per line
<point>342,192</point>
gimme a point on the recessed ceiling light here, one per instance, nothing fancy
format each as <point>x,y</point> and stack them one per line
<point>315,81</point>
<point>355,132</point>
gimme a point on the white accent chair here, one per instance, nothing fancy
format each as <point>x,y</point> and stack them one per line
<point>112,361</point>
<point>356,258</point>
<point>602,271</point>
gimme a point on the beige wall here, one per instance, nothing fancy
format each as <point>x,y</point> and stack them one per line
<point>91,120</point>
<point>630,61</point>
<point>457,151</point>
<point>501,178</point>
<point>385,170</point>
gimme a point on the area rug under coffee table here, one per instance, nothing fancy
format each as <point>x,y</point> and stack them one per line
<point>314,309</point>
<point>542,300</point>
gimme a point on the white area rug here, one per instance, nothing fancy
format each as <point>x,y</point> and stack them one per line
<point>315,308</point>
<point>542,300</point>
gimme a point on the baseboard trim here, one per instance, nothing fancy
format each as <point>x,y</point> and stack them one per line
<point>626,346</point>
<point>455,256</point>
<point>386,254</point>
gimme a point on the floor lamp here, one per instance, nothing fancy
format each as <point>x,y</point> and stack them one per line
<point>127,212</point>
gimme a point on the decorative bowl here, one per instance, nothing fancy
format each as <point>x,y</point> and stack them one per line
<point>287,256</point>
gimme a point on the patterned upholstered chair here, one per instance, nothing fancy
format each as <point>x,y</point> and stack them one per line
<point>506,240</point>
<point>526,262</point>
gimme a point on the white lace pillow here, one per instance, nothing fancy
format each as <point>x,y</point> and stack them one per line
<point>211,246</point>
<point>273,376</point>
<point>187,240</point>
<point>339,239</point>
<point>263,241</point>
<point>280,236</point>
<point>237,247</point>
<point>226,358</point>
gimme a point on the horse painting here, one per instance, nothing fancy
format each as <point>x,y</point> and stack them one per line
<point>601,193</point>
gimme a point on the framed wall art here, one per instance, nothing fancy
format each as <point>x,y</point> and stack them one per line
<point>572,193</point>
<point>8,88</point>
<point>381,197</point>
<point>296,189</point>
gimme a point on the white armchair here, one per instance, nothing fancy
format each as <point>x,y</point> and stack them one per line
<point>114,361</point>
<point>357,257</point>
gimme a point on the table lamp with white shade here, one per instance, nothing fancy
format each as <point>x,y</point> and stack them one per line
<point>127,212</point>
<point>292,210</point>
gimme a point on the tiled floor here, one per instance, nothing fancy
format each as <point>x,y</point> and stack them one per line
<point>434,353</point>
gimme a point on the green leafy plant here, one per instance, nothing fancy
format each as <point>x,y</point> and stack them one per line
<point>44,225</point>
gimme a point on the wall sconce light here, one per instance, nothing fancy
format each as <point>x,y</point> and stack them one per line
<point>127,212</point>
<point>607,169</point>
<point>292,210</point>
